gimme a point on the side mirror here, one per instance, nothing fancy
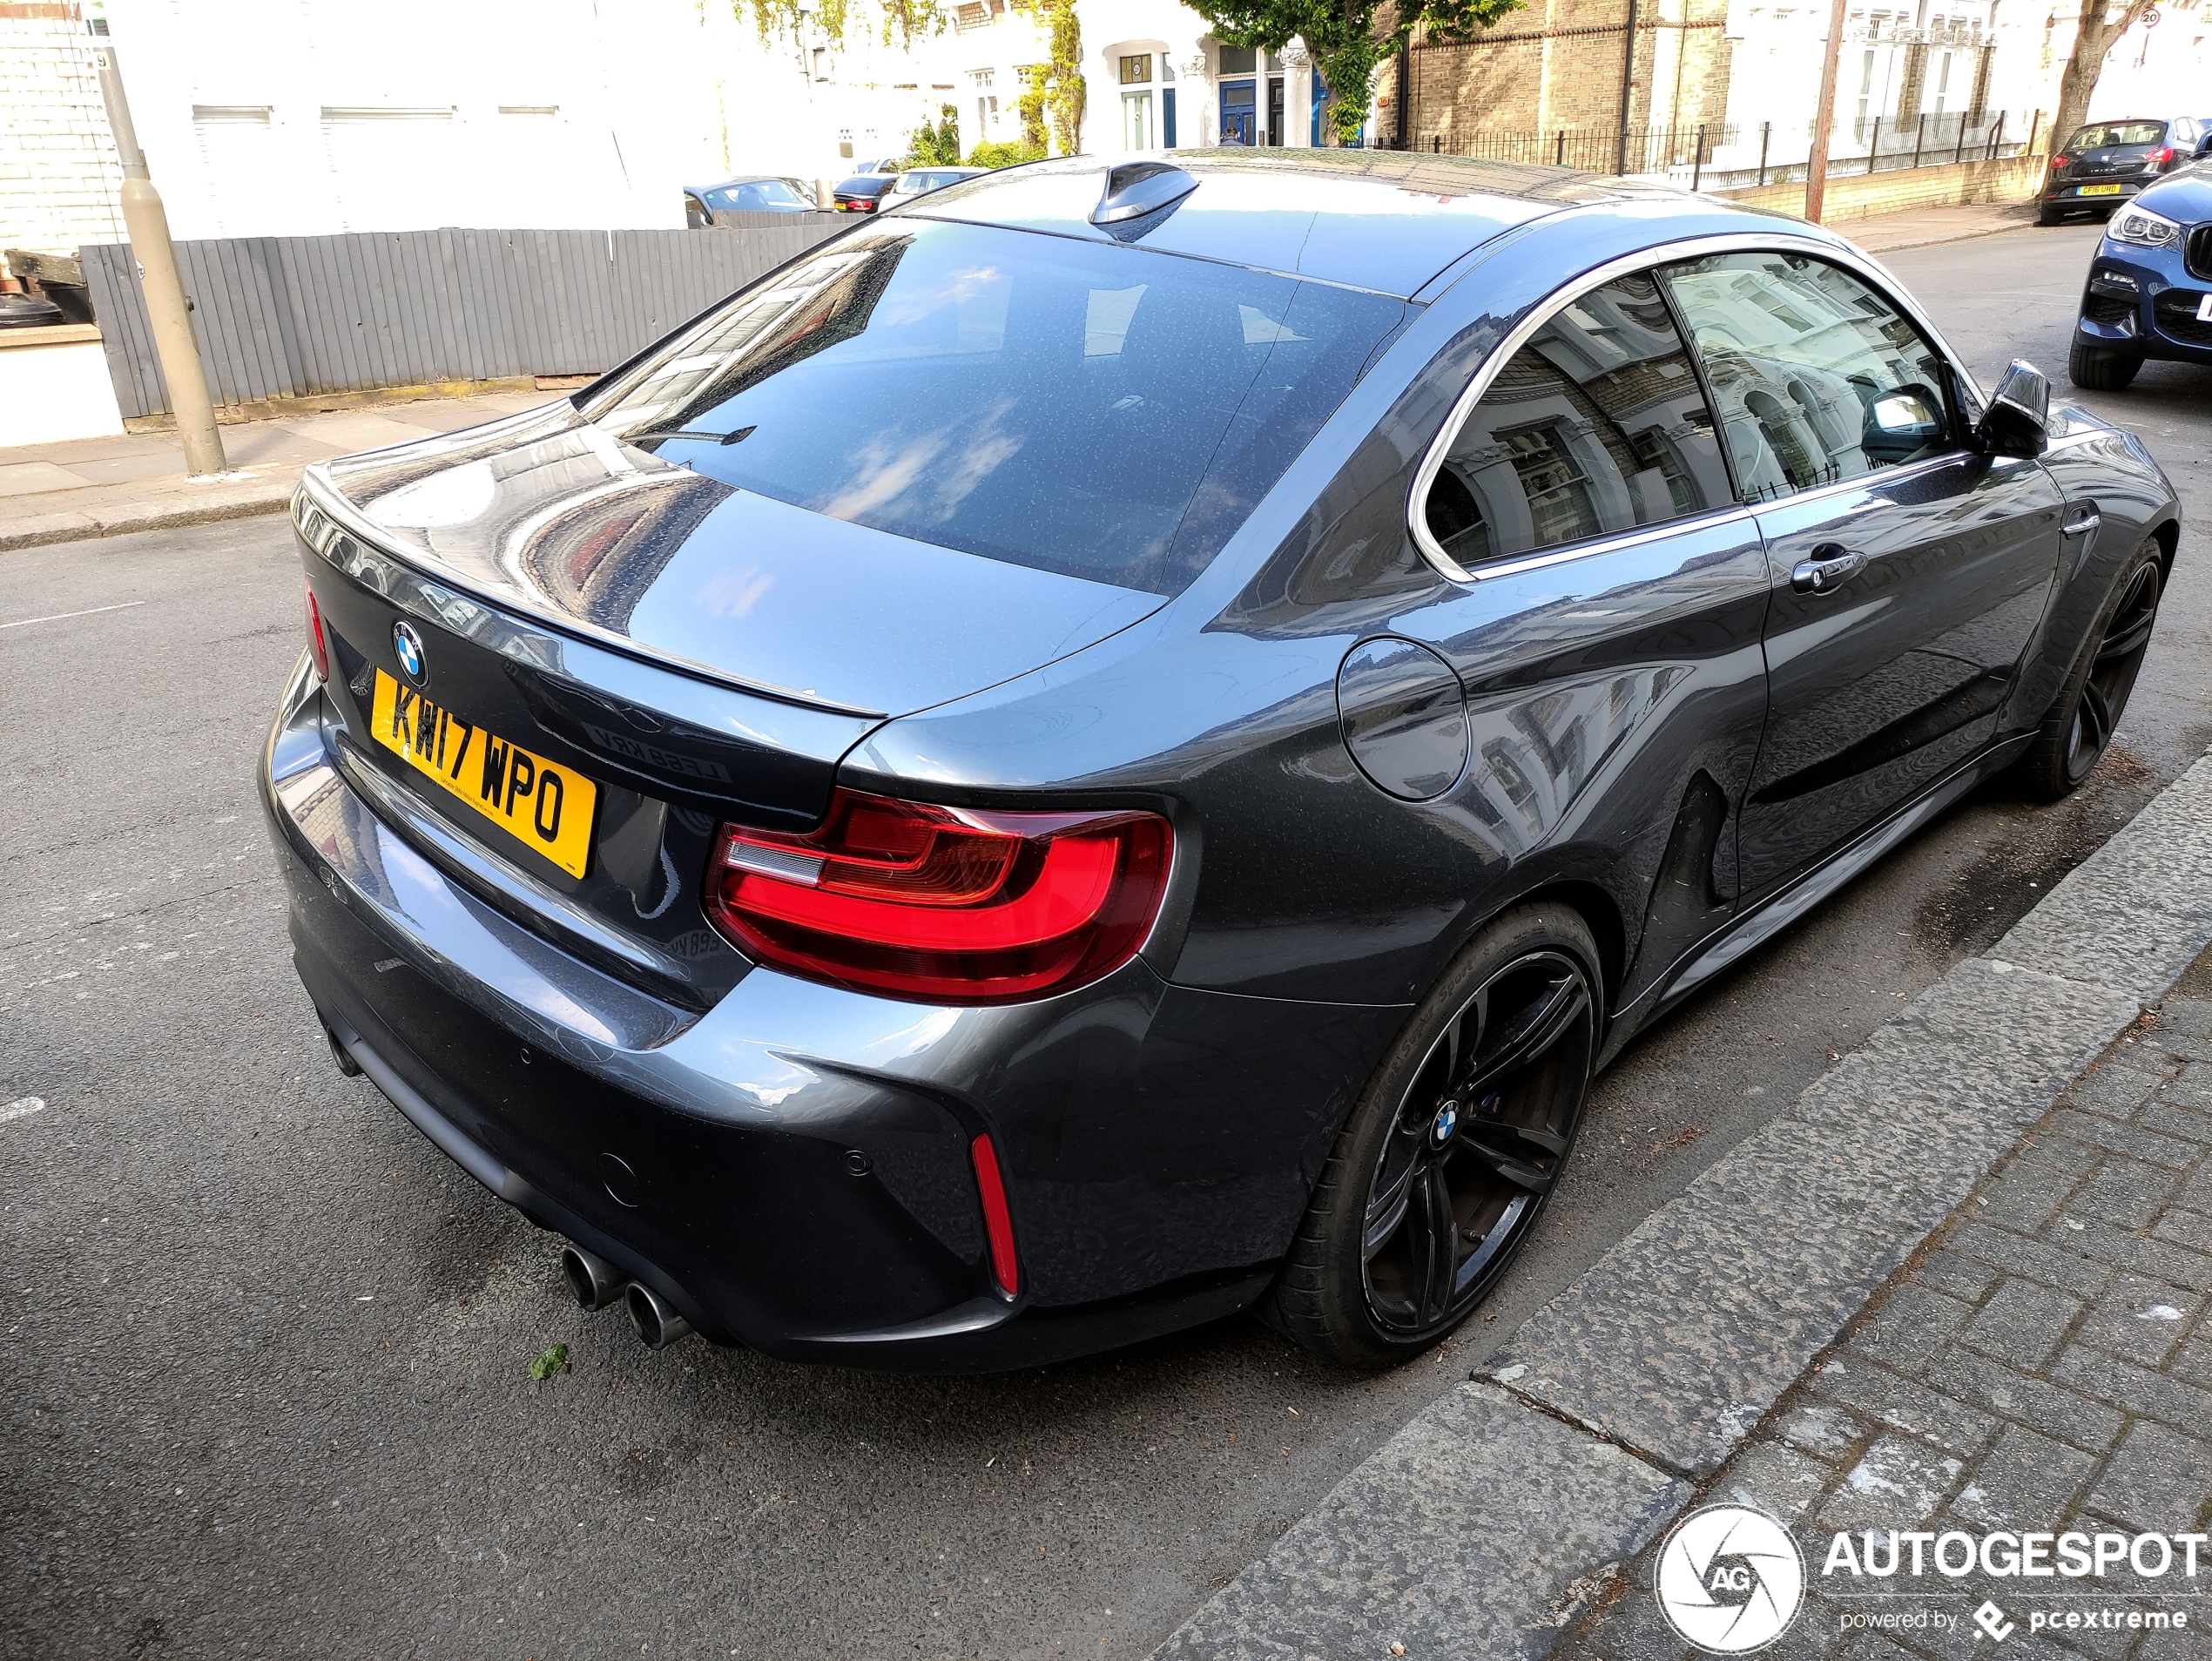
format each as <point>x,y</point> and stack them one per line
<point>2018,421</point>
<point>1900,423</point>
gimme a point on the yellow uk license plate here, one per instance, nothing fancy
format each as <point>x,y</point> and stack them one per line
<point>545,805</point>
<point>2100,190</point>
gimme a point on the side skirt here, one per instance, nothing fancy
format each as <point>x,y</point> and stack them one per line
<point>1743,934</point>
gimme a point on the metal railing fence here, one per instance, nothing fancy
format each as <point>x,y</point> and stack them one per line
<point>1724,157</point>
<point>280,317</point>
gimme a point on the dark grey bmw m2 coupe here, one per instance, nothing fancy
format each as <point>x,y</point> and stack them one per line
<point>1116,745</point>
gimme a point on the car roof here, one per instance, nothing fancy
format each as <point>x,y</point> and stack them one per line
<point>1381,220</point>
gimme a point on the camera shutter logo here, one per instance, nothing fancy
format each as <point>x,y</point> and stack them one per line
<point>1729,1579</point>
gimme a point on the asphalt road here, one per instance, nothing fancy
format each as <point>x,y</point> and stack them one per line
<point>264,1353</point>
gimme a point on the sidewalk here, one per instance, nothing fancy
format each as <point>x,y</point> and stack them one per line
<point>1924,227</point>
<point>1783,1334</point>
<point>102,487</point>
<point>2043,1363</point>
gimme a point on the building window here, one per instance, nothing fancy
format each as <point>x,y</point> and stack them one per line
<point>1238,60</point>
<point>1136,70</point>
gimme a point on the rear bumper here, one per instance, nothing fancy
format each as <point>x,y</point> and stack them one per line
<point>2068,195</point>
<point>789,1168</point>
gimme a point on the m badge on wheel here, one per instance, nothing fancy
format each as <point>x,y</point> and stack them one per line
<point>1729,1579</point>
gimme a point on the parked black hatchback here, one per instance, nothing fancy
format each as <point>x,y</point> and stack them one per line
<point>2107,162</point>
<point>1113,745</point>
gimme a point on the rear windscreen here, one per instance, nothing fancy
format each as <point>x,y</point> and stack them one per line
<point>2111,134</point>
<point>1092,409</point>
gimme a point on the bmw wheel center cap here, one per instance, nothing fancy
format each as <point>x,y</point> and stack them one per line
<point>1447,1120</point>
<point>406,644</point>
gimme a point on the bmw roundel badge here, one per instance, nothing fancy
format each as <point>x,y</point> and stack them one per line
<point>406,643</point>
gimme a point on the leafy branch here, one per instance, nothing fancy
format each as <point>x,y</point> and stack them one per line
<point>1344,39</point>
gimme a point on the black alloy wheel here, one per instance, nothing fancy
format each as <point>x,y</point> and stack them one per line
<point>2080,728</point>
<point>1440,1176</point>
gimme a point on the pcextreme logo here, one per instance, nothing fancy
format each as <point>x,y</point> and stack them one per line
<point>1729,1579</point>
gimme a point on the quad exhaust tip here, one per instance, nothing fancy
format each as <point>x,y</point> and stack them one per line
<point>593,1280</point>
<point>657,1325</point>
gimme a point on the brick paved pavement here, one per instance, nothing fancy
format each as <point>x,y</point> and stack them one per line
<point>2043,1363</point>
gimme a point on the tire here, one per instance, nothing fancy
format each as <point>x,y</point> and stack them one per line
<point>2046,214</point>
<point>2078,731</point>
<point>1458,1138</point>
<point>2093,369</point>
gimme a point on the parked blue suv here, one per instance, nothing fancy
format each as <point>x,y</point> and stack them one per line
<point>2149,294</point>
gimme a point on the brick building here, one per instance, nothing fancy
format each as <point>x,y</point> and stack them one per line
<point>59,177</point>
<point>1557,67</point>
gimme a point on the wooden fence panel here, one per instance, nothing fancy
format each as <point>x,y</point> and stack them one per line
<point>292,316</point>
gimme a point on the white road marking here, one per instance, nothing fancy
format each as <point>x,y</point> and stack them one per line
<point>24,623</point>
<point>21,1107</point>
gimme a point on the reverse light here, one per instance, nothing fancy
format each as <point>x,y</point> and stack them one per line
<point>942,905</point>
<point>318,643</point>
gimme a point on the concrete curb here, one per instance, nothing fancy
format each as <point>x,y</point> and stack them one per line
<point>1487,1523</point>
<point>176,505</point>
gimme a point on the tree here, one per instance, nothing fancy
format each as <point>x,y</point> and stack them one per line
<point>2102,23</point>
<point>937,146</point>
<point>1343,37</point>
<point>797,19</point>
<point>1053,93</point>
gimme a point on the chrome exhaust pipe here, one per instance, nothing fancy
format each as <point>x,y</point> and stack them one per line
<point>593,1280</point>
<point>339,1053</point>
<point>657,1325</point>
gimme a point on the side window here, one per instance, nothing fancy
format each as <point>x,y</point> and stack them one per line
<point>1596,425</point>
<point>1816,377</point>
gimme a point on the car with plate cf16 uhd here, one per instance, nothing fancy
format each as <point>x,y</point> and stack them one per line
<point>1116,745</point>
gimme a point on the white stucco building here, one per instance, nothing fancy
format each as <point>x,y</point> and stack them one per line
<point>308,117</point>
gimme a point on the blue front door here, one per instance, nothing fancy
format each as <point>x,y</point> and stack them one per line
<point>1239,113</point>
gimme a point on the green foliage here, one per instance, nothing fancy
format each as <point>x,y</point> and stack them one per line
<point>1052,94</point>
<point>999,153</point>
<point>553,1361</point>
<point>1342,37</point>
<point>937,146</point>
<point>796,19</point>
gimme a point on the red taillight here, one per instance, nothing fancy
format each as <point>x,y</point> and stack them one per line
<point>942,905</point>
<point>2059,163</point>
<point>2160,157</point>
<point>318,645</point>
<point>998,1222</point>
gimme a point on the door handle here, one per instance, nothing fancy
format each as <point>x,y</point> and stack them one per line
<point>1829,569</point>
<point>2080,519</point>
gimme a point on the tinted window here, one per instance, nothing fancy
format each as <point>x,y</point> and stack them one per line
<point>2106,134</point>
<point>1093,409</point>
<point>767,195</point>
<point>1806,364</point>
<point>1596,425</point>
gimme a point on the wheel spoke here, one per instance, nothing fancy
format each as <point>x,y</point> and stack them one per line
<point>2096,719</point>
<point>1533,1032</point>
<point>2127,636</point>
<point>1436,1237</point>
<point>1520,1173</point>
<point>1387,1210</point>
